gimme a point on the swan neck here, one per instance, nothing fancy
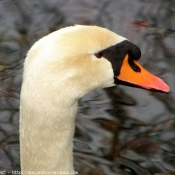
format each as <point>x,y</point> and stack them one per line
<point>46,137</point>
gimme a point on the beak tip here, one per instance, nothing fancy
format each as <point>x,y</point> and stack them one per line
<point>166,88</point>
<point>163,86</point>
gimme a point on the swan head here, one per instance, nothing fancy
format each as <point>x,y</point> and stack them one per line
<point>79,59</point>
<point>59,69</point>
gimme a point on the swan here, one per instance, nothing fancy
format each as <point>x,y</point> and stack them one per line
<point>59,69</point>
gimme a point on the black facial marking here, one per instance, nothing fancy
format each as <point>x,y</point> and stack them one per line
<point>133,65</point>
<point>116,54</point>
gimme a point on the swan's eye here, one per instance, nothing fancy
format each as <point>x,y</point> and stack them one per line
<point>99,54</point>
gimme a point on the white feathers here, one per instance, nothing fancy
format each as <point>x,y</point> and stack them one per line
<point>59,69</point>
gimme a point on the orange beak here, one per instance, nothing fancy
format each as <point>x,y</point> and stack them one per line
<point>142,78</point>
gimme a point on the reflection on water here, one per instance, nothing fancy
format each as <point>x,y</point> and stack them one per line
<point>118,130</point>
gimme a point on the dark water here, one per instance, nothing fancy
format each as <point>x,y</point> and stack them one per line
<point>124,131</point>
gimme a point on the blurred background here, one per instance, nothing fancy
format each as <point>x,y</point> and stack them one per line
<point>119,130</point>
